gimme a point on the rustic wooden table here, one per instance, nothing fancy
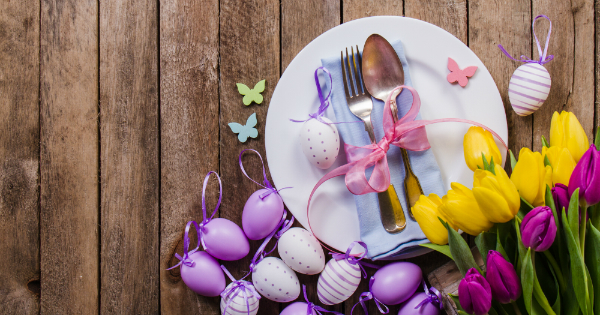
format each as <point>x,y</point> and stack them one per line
<point>112,112</point>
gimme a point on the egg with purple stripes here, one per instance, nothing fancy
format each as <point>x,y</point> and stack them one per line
<point>274,280</point>
<point>528,88</point>
<point>301,251</point>
<point>240,300</point>
<point>338,281</point>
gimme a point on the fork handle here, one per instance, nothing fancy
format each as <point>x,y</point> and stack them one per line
<point>369,129</point>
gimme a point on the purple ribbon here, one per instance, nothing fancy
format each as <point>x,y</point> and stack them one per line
<point>186,260</point>
<point>266,182</point>
<point>543,58</point>
<point>355,260</point>
<point>323,99</point>
<point>434,297</point>
<point>365,296</point>
<point>260,252</point>
<point>315,308</point>
<point>237,287</point>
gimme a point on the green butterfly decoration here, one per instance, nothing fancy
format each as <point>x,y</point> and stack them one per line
<point>252,94</point>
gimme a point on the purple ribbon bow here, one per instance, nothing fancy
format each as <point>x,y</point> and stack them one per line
<point>543,58</point>
<point>355,260</point>
<point>260,252</point>
<point>315,308</point>
<point>365,296</point>
<point>237,287</point>
<point>318,115</point>
<point>434,297</point>
<point>186,260</point>
<point>266,182</point>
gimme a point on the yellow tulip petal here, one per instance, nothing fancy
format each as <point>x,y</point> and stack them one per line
<point>478,141</point>
<point>460,206</point>
<point>577,141</point>
<point>563,168</point>
<point>526,176</point>
<point>492,205</point>
<point>557,133</point>
<point>426,214</point>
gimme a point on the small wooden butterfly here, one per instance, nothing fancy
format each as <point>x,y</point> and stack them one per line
<point>245,131</point>
<point>458,75</point>
<point>252,94</point>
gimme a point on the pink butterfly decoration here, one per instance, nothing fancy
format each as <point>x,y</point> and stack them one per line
<point>458,75</point>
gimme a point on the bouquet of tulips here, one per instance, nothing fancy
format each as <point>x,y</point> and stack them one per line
<point>538,230</point>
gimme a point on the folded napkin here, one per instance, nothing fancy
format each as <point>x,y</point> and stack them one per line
<point>381,244</point>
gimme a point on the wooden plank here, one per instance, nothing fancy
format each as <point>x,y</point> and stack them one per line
<point>301,22</point>
<point>510,26</point>
<point>249,51</point>
<point>189,85</point>
<point>19,156</point>
<point>449,15</point>
<point>572,71</point>
<point>129,157</point>
<point>356,9</point>
<point>69,157</point>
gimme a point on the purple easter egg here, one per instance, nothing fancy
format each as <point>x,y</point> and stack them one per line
<point>297,308</point>
<point>396,282</point>
<point>408,307</point>
<point>261,216</point>
<point>205,277</point>
<point>225,240</point>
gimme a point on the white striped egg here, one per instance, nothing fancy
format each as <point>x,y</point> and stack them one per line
<point>274,280</point>
<point>237,302</point>
<point>301,251</point>
<point>528,88</point>
<point>338,281</point>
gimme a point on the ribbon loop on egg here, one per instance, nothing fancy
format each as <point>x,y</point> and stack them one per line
<point>543,54</point>
<point>323,99</point>
<point>365,296</point>
<point>235,288</point>
<point>355,259</point>
<point>266,182</point>
<point>434,297</point>
<point>186,260</point>
<point>312,307</point>
<point>281,227</point>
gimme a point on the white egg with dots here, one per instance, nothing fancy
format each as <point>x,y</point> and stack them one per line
<point>320,142</point>
<point>338,281</point>
<point>528,88</point>
<point>301,251</point>
<point>237,302</point>
<point>274,280</point>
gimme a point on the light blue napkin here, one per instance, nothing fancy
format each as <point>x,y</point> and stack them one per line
<point>381,244</point>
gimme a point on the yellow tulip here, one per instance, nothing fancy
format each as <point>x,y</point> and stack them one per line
<point>461,208</point>
<point>562,164</point>
<point>566,132</point>
<point>478,141</point>
<point>530,176</point>
<point>426,213</point>
<point>496,195</point>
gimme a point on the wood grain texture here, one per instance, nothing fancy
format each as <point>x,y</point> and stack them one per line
<point>189,86</point>
<point>510,26</point>
<point>250,51</point>
<point>572,71</point>
<point>69,157</point>
<point>356,9</point>
<point>19,156</point>
<point>449,15</point>
<point>129,157</point>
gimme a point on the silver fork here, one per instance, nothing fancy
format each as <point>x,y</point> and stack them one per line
<point>360,104</point>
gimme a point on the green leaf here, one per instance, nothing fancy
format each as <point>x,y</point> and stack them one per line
<point>513,160</point>
<point>444,249</point>
<point>550,203</point>
<point>578,272</point>
<point>485,242</point>
<point>592,261</point>
<point>539,295</point>
<point>520,246</point>
<point>545,142</point>
<point>454,298</point>
<point>499,247</point>
<point>492,311</point>
<point>527,279</point>
<point>547,161</point>
<point>573,216</point>
<point>460,251</point>
<point>597,139</point>
<point>525,208</point>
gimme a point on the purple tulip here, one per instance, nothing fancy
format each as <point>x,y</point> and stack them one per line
<point>503,278</point>
<point>586,177</point>
<point>560,194</point>
<point>474,293</point>
<point>538,229</point>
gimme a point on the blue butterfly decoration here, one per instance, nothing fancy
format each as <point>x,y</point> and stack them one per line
<point>245,131</point>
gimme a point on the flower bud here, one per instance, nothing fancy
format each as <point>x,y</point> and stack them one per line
<point>538,229</point>
<point>478,141</point>
<point>474,293</point>
<point>502,278</point>
<point>586,177</point>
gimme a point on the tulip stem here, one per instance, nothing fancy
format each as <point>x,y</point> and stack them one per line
<point>517,310</point>
<point>595,216</point>
<point>582,227</point>
<point>559,275</point>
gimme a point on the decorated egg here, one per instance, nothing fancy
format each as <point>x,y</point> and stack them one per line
<point>410,306</point>
<point>205,277</point>
<point>528,88</point>
<point>234,302</point>
<point>225,240</point>
<point>320,142</point>
<point>261,215</point>
<point>274,280</point>
<point>297,308</point>
<point>396,282</point>
<point>338,281</point>
<point>301,251</point>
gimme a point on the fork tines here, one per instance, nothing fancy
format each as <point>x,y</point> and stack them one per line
<point>354,76</point>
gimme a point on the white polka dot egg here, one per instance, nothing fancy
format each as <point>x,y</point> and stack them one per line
<point>234,303</point>
<point>320,142</point>
<point>274,280</point>
<point>301,251</point>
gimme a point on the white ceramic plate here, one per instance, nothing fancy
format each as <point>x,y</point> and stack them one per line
<point>333,212</point>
